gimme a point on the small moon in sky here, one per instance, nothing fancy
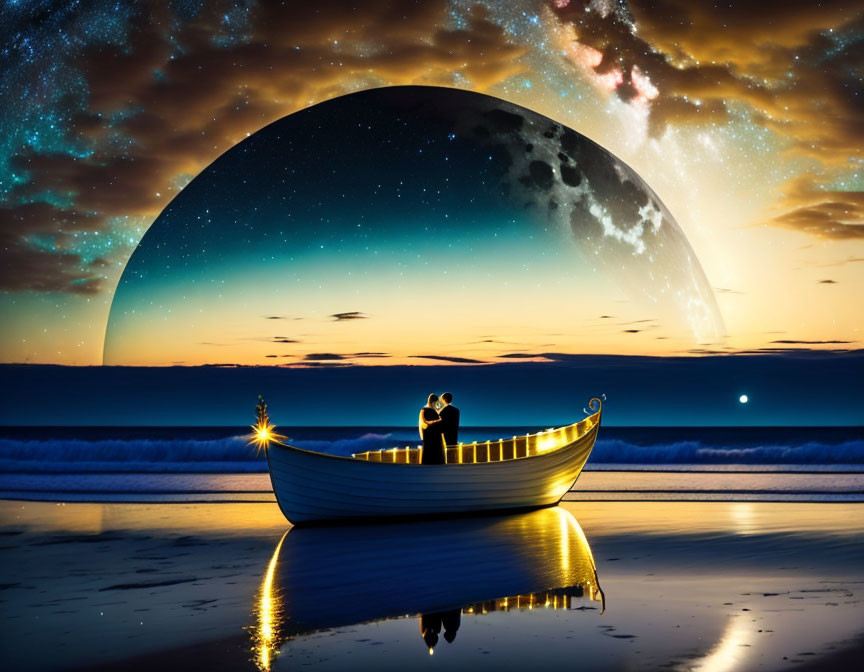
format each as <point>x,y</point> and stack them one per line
<point>743,398</point>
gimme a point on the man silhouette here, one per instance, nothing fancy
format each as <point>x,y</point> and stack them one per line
<point>449,420</point>
<point>450,621</point>
<point>432,624</point>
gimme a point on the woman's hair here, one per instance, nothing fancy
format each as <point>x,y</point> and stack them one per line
<point>432,399</point>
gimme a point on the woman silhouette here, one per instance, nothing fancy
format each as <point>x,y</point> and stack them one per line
<point>430,432</point>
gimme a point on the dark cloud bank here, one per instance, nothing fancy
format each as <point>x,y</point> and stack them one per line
<point>804,387</point>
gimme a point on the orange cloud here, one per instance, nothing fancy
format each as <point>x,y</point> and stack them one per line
<point>156,111</point>
<point>798,65</point>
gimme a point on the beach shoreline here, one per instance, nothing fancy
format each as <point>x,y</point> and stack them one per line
<point>138,585</point>
<point>592,485</point>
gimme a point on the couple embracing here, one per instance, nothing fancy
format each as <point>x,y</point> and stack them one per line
<point>439,427</point>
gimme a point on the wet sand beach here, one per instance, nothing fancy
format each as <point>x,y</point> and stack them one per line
<point>685,585</point>
<point>607,485</point>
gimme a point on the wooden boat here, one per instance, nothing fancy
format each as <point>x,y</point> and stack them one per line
<point>332,577</point>
<point>522,472</point>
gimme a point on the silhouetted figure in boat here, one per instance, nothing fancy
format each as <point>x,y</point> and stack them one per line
<point>449,420</point>
<point>432,624</point>
<point>430,432</point>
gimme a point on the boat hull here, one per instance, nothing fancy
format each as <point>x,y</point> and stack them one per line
<point>317,488</point>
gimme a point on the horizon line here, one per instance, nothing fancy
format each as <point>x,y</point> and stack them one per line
<point>540,358</point>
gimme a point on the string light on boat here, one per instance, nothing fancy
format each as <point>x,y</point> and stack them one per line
<point>547,441</point>
<point>519,447</point>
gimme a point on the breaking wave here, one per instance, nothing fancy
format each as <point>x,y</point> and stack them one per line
<point>614,451</point>
<point>233,454</point>
<point>230,454</point>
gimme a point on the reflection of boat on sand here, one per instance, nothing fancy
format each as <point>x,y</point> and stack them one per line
<point>523,472</point>
<point>328,577</point>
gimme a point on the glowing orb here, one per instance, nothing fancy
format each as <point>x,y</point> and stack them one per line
<point>743,398</point>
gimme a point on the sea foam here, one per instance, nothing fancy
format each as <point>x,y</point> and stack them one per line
<point>234,454</point>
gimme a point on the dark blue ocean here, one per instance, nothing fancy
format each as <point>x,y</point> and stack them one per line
<point>218,464</point>
<point>225,449</point>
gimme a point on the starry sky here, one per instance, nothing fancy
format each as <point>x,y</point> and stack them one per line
<point>746,120</point>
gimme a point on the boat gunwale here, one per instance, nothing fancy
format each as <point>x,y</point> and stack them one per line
<point>588,438</point>
<point>316,453</point>
<point>413,487</point>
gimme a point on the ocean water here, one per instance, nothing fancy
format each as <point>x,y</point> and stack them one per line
<point>218,464</point>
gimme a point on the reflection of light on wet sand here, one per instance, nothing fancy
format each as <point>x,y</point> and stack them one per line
<point>661,518</point>
<point>684,589</point>
<point>742,514</point>
<point>569,526</point>
<point>564,553</point>
<point>53,516</point>
<point>223,519</point>
<point>268,611</point>
<point>729,652</point>
<point>548,544</point>
<point>565,544</point>
<point>599,518</point>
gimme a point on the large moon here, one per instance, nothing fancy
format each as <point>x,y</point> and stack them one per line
<point>402,223</point>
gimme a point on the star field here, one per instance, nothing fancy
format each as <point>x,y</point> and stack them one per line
<point>742,117</point>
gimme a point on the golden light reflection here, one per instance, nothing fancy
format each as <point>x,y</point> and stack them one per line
<point>544,552</point>
<point>268,614</point>
<point>730,651</point>
<point>564,553</point>
<point>559,598</point>
<point>743,517</point>
<point>572,536</point>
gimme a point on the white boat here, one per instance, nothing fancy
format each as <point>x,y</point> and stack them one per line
<point>519,473</point>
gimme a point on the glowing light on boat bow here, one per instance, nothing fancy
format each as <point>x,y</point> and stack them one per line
<point>263,431</point>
